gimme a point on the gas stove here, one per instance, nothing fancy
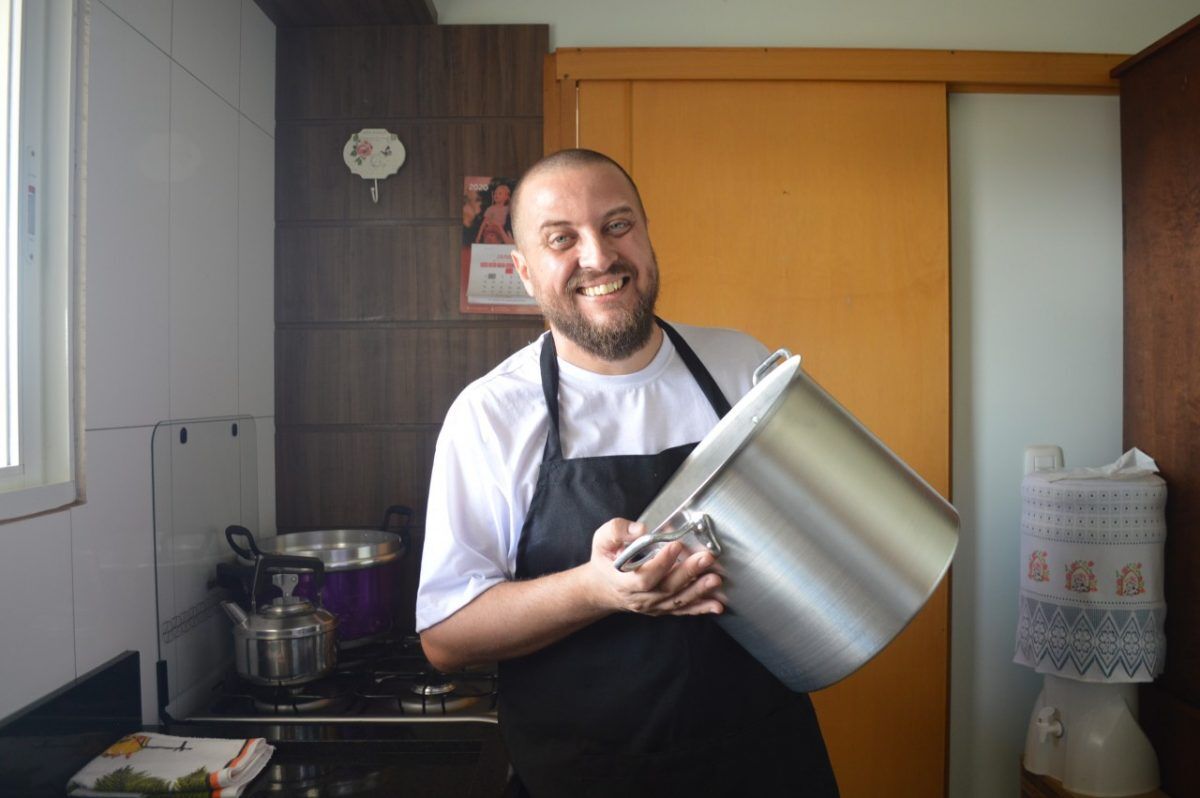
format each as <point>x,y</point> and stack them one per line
<point>384,722</point>
<point>384,680</point>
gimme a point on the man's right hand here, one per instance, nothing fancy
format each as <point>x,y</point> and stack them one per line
<point>665,584</point>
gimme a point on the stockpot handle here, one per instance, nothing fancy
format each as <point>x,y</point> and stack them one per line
<point>646,546</point>
<point>773,360</point>
<point>406,515</point>
<point>249,553</point>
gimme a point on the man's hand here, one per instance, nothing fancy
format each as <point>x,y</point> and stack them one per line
<point>662,585</point>
<point>515,618</point>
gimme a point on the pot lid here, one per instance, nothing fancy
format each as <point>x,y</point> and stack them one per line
<point>339,549</point>
<point>287,621</point>
<point>286,607</point>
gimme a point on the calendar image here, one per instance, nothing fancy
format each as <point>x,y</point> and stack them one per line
<point>489,280</point>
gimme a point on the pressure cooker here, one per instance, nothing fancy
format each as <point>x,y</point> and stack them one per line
<point>289,640</point>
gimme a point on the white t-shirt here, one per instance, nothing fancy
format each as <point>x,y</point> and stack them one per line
<point>486,464</point>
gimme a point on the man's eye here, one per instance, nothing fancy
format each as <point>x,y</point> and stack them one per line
<point>559,240</point>
<point>619,226</point>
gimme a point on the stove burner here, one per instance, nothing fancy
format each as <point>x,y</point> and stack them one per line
<point>430,693</point>
<point>439,688</point>
<point>312,697</point>
<point>436,704</point>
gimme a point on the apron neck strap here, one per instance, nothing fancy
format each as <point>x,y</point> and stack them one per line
<point>549,364</point>
<point>712,392</point>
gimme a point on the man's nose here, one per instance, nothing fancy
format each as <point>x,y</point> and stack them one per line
<point>595,252</point>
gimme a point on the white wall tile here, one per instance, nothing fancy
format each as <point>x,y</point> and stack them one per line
<point>36,623</point>
<point>258,67</point>
<point>206,40</point>
<point>265,427</point>
<point>127,300</point>
<point>151,18</point>
<point>203,306</point>
<point>256,271</point>
<point>113,554</point>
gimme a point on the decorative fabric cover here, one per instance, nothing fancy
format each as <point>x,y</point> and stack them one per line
<point>1091,597</point>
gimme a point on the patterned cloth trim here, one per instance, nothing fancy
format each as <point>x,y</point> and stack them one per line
<point>1091,644</point>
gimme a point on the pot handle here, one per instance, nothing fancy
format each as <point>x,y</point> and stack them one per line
<point>646,546</point>
<point>773,360</point>
<point>405,514</point>
<point>235,531</point>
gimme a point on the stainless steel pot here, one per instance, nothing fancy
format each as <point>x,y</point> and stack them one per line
<point>827,542</point>
<point>290,640</point>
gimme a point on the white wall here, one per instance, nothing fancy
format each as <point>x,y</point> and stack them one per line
<point>179,319</point>
<point>1037,358</point>
<point>1036,275</point>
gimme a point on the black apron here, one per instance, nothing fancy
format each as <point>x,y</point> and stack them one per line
<point>634,705</point>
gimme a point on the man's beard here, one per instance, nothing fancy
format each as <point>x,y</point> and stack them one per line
<point>616,340</point>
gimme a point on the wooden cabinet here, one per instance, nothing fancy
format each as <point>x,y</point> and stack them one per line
<point>1160,167</point>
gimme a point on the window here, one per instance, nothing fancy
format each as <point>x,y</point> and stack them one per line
<point>39,407</point>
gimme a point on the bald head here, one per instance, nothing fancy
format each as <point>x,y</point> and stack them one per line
<point>564,159</point>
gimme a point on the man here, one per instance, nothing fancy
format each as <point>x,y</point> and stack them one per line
<point>611,684</point>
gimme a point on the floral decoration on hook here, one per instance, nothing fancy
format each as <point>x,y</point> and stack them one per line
<point>373,154</point>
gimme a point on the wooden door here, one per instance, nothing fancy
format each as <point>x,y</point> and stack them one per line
<point>814,215</point>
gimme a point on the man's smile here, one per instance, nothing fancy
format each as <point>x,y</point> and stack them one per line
<point>604,288</point>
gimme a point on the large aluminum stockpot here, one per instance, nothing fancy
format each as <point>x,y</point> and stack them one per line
<point>827,542</point>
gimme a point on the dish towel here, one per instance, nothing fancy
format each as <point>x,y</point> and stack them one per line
<point>145,763</point>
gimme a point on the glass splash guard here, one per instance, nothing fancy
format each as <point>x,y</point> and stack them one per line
<point>205,478</point>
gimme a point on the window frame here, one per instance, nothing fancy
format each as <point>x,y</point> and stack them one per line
<point>46,184</point>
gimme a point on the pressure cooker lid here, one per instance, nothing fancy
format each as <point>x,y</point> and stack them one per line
<point>287,621</point>
<point>339,549</point>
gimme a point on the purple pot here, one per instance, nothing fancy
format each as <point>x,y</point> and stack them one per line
<point>363,599</point>
<point>362,569</point>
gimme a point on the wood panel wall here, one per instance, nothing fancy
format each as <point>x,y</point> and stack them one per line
<point>370,348</point>
<point>1160,167</point>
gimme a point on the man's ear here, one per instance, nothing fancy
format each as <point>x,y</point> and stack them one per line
<point>522,267</point>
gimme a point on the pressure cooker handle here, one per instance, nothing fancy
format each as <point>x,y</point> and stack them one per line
<point>289,564</point>
<point>773,360</point>
<point>648,545</point>
<point>249,553</point>
<point>405,514</point>
<point>286,564</point>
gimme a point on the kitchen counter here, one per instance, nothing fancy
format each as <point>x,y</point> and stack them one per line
<point>45,744</point>
<point>453,759</point>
